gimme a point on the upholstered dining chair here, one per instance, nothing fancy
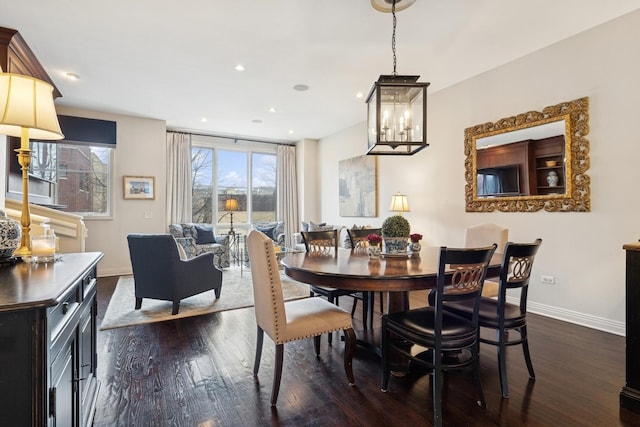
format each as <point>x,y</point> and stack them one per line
<point>325,243</point>
<point>359,241</point>
<point>160,273</point>
<point>441,331</point>
<point>484,235</point>
<point>502,316</point>
<point>292,320</point>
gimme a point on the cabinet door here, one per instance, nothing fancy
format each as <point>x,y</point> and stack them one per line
<point>87,357</point>
<point>62,396</point>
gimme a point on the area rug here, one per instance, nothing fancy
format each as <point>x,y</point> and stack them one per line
<point>236,292</point>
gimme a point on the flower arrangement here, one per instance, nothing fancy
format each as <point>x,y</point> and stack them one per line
<point>374,239</point>
<point>415,237</point>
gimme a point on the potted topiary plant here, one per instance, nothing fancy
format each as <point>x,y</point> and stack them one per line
<point>395,231</point>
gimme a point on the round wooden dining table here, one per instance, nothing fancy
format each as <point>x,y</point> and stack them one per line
<point>352,269</point>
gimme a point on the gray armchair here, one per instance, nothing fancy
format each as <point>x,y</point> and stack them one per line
<point>159,273</point>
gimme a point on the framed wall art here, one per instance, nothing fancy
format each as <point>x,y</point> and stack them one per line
<point>358,191</point>
<point>139,187</point>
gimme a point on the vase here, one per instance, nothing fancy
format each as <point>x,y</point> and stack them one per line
<point>10,233</point>
<point>552,179</point>
<point>415,247</point>
<point>374,251</point>
<point>396,245</point>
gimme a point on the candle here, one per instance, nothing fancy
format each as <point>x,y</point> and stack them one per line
<point>43,246</point>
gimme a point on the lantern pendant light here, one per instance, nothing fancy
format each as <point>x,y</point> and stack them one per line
<point>396,105</point>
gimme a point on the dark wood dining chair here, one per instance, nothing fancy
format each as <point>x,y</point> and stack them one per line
<point>325,243</point>
<point>441,331</point>
<point>501,316</point>
<point>359,241</point>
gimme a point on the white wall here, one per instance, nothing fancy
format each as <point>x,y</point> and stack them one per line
<point>582,250</point>
<point>140,151</point>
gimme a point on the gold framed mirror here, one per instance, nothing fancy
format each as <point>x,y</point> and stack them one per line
<point>529,162</point>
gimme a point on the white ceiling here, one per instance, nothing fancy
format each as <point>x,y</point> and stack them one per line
<point>175,60</point>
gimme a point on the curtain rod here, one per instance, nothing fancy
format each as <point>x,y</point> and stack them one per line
<point>233,138</point>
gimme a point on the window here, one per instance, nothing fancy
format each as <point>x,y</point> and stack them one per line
<point>72,178</point>
<point>244,172</point>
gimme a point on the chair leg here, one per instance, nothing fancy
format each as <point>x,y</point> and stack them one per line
<point>502,363</point>
<point>316,345</point>
<point>366,304</point>
<point>354,306</point>
<point>176,307</point>
<point>217,292</point>
<point>349,350</point>
<point>138,303</point>
<point>525,350</point>
<point>386,368</point>
<point>259,341</point>
<point>332,301</point>
<point>476,374</point>
<point>436,380</point>
<point>277,374</point>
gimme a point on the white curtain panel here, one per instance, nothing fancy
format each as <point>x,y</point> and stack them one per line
<point>287,190</point>
<point>178,178</point>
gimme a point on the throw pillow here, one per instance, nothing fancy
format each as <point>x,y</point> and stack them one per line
<point>204,235</point>
<point>268,231</point>
<point>320,227</point>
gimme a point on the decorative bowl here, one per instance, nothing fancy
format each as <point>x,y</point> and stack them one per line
<point>10,233</point>
<point>550,163</point>
<point>396,245</point>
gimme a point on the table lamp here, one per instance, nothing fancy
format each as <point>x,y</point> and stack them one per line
<point>230,205</point>
<point>27,111</point>
<point>399,203</point>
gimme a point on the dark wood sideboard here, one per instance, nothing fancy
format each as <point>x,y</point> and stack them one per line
<point>630,394</point>
<point>48,342</point>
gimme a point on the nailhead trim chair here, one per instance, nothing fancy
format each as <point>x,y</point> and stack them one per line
<point>292,320</point>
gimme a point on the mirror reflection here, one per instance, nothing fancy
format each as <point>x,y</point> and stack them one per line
<point>532,161</point>
<point>524,162</point>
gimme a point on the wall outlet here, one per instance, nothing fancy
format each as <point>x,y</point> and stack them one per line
<point>148,214</point>
<point>547,279</point>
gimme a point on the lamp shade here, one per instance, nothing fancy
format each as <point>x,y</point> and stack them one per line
<point>231,205</point>
<point>399,203</point>
<point>27,103</point>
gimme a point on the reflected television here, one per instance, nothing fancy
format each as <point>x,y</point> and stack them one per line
<point>499,181</point>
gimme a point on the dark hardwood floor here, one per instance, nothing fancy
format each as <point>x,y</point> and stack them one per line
<point>198,372</point>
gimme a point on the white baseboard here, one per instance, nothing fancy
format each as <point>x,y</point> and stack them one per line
<point>594,322</point>
<point>107,272</point>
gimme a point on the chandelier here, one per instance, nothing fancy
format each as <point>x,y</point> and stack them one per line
<point>396,105</point>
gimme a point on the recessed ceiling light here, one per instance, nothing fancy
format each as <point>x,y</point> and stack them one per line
<point>291,132</point>
<point>72,76</point>
<point>239,67</point>
<point>272,110</point>
<point>359,95</point>
<point>301,88</point>
<point>203,120</point>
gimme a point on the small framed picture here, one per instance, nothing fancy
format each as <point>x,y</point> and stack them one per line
<point>139,187</point>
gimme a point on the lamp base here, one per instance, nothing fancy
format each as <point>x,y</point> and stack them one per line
<point>24,159</point>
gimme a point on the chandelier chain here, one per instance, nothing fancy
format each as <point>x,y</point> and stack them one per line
<point>393,37</point>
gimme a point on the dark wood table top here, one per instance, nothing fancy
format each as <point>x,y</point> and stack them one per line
<point>352,269</point>
<point>26,286</point>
